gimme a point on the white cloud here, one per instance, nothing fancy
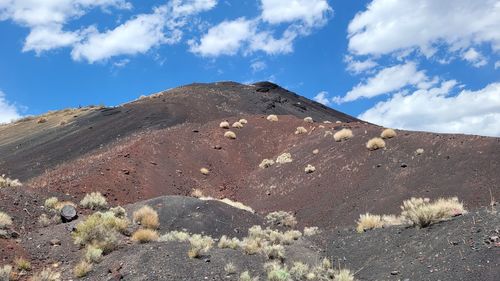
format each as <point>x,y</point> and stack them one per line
<point>258,66</point>
<point>474,57</point>
<point>8,111</point>
<point>437,110</point>
<point>322,97</point>
<point>388,80</point>
<point>182,8</point>
<point>389,26</point>
<point>310,12</point>
<point>45,38</point>
<point>358,66</point>
<point>497,64</point>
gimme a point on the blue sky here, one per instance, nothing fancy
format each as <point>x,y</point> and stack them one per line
<point>419,65</point>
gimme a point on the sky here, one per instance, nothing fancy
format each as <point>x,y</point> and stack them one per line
<point>409,64</point>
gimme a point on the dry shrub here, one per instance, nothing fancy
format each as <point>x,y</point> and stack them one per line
<point>199,245</point>
<point>41,120</point>
<point>225,242</point>
<point>243,121</point>
<point>224,125</point>
<point>22,264</point>
<point>328,133</point>
<point>119,212</point>
<point>197,193</point>
<point>388,133</point>
<point>375,144</point>
<point>8,182</point>
<point>266,163</point>
<point>299,270</point>
<point>369,221</point>
<point>281,218</point>
<point>284,158</point>
<point>343,134</point>
<point>274,252</point>
<point>343,275</point>
<point>308,120</point>
<point>310,231</point>
<point>204,171</point>
<point>179,236</point>
<point>82,269</point>
<point>230,135</point>
<point>422,212</point>
<point>300,131</point>
<point>147,217</point>
<point>46,274</point>
<point>230,268</point>
<point>50,203</point>
<point>100,230</point>
<point>44,220</point>
<point>277,272</point>
<point>238,205</point>
<point>94,201</point>
<point>309,169</point>
<point>93,254</point>
<point>237,125</point>
<point>145,235</point>
<point>272,118</point>
<point>245,276</point>
<point>5,220</point>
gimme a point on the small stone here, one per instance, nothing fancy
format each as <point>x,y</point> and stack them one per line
<point>395,272</point>
<point>404,165</point>
<point>316,151</point>
<point>55,242</point>
<point>218,147</point>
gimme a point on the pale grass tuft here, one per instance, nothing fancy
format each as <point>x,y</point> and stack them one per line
<point>422,212</point>
<point>94,201</point>
<point>419,151</point>
<point>180,236</point>
<point>309,169</point>
<point>197,193</point>
<point>22,264</point>
<point>145,235</point>
<point>277,272</point>
<point>266,163</point>
<point>281,218</point>
<point>274,252</point>
<point>338,122</point>
<point>204,171</point>
<point>93,254</point>
<point>46,275</point>
<point>119,212</point>
<point>300,131</point>
<point>343,275</point>
<point>230,268</point>
<point>243,121</point>
<point>272,118</point>
<point>368,221</point>
<point>245,276</point>
<point>327,122</point>
<point>5,273</point>
<point>199,245</point>
<point>41,120</point>
<point>308,120</point>
<point>44,220</point>
<point>284,158</point>
<point>230,135</point>
<point>316,151</point>
<point>238,205</point>
<point>224,125</point>
<point>343,134</point>
<point>5,220</point>
<point>328,133</point>
<point>8,182</point>
<point>310,231</point>
<point>299,270</point>
<point>147,217</point>
<point>375,144</point>
<point>237,125</point>
<point>82,269</point>
<point>388,133</point>
<point>225,242</point>
<point>50,203</point>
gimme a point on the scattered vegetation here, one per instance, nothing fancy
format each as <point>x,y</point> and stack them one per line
<point>388,133</point>
<point>46,274</point>
<point>308,120</point>
<point>82,269</point>
<point>342,135</point>
<point>243,121</point>
<point>224,125</point>
<point>197,193</point>
<point>204,171</point>
<point>310,231</point>
<point>300,130</point>
<point>147,217</point>
<point>284,158</point>
<point>22,264</point>
<point>281,218</point>
<point>266,163</point>
<point>44,220</point>
<point>50,203</point>
<point>119,212</point>
<point>145,235</point>
<point>272,118</point>
<point>180,236</point>
<point>309,169</point>
<point>199,245</point>
<point>230,268</point>
<point>245,276</point>
<point>93,254</point>
<point>94,201</point>
<point>237,125</point>
<point>225,242</point>
<point>375,144</point>
<point>230,135</point>
<point>277,272</point>
<point>8,182</point>
<point>343,275</point>
<point>5,220</point>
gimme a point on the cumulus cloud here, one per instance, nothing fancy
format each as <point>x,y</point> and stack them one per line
<point>439,110</point>
<point>258,65</point>
<point>322,97</point>
<point>388,26</point>
<point>474,57</point>
<point>8,111</point>
<point>388,80</point>
<point>310,12</point>
<point>358,66</point>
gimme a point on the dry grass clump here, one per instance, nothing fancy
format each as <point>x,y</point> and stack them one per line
<point>41,120</point>
<point>46,274</point>
<point>225,242</point>
<point>277,272</point>
<point>230,268</point>
<point>22,264</point>
<point>388,133</point>
<point>369,221</point>
<point>230,135</point>
<point>93,254</point>
<point>145,235</point>
<point>237,125</point>
<point>422,212</point>
<point>343,134</point>
<point>343,275</point>
<point>328,133</point>
<point>272,118</point>
<point>82,269</point>
<point>100,230</point>
<point>119,212</point>
<point>224,125</point>
<point>309,169</point>
<point>147,217</point>
<point>180,236</point>
<point>44,220</point>
<point>300,131</point>
<point>245,276</point>
<point>243,121</point>
<point>5,220</point>
<point>6,273</point>
<point>375,144</point>
<point>266,163</point>
<point>94,201</point>
<point>274,252</point>
<point>204,171</point>
<point>238,205</point>
<point>299,270</point>
<point>310,231</point>
<point>284,158</point>
<point>199,245</point>
<point>282,218</point>
<point>196,192</point>
<point>50,203</point>
<point>8,182</point>
<point>308,120</point>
